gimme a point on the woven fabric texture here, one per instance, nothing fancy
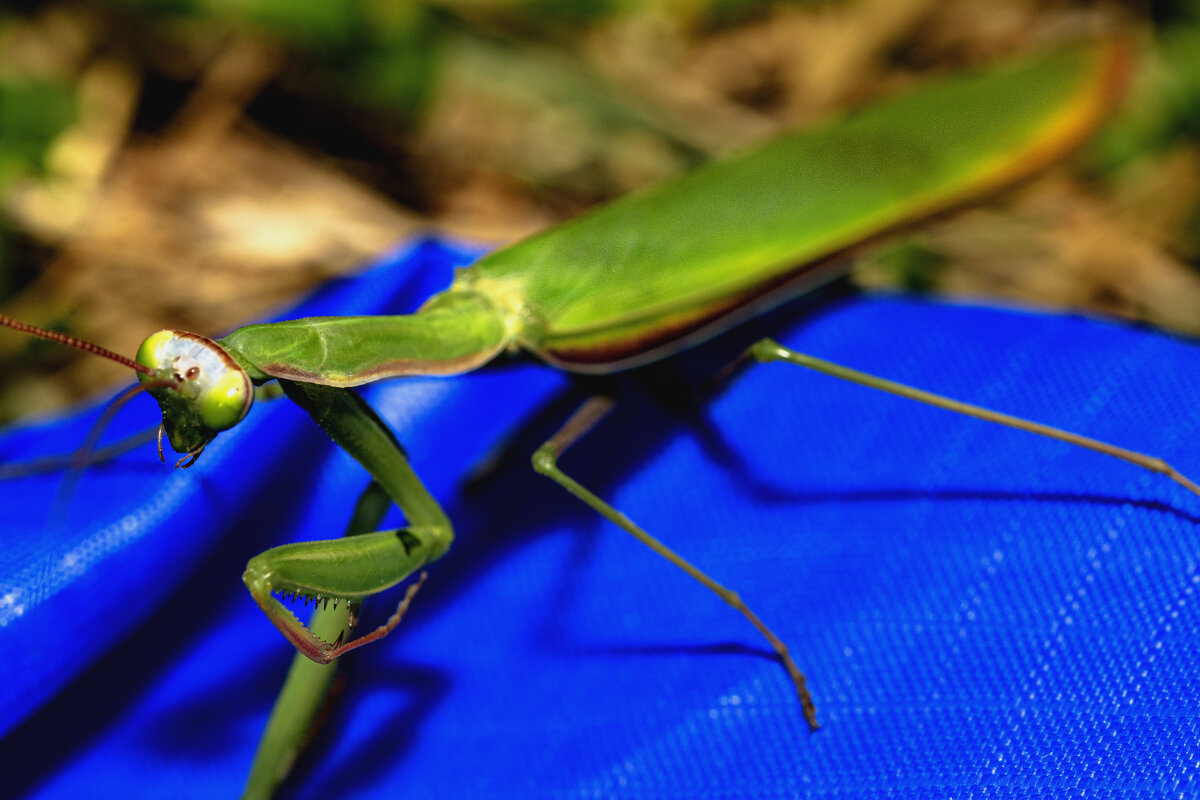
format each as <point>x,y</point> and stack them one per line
<point>981,613</point>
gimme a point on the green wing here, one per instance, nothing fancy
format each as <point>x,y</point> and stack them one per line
<point>647,273</point>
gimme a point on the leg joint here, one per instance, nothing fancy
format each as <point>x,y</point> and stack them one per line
<point>545,461</point>
<point>436,538</point>
<point>767,350</point>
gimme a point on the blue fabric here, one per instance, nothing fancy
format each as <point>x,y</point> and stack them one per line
<point>980,613</point>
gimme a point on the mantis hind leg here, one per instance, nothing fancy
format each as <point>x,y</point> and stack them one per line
<point>545,461</point>
<point>768,351</point>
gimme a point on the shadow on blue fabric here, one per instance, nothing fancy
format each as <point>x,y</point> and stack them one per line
<point>980,613</point>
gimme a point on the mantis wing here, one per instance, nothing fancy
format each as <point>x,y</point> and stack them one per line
<point>975,607</point>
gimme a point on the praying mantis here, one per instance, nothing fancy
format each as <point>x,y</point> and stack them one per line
<point>625,315</point>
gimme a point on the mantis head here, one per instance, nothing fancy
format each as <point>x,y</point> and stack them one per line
<point>200,388</point>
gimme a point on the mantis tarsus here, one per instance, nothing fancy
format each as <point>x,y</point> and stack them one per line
<point>1083,79</point>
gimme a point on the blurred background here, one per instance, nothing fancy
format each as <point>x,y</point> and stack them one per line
<point>196,164</point>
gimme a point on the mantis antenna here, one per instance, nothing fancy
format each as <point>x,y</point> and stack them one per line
<point>71,341</point>
<point>83,455</point>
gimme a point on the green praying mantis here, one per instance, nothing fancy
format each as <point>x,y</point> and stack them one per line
<point>624,285</point>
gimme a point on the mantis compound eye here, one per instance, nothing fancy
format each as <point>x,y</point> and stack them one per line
<point>208,391</point>
<point>226,400</point>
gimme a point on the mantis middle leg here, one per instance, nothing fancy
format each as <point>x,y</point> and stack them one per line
<point>545,461</point>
